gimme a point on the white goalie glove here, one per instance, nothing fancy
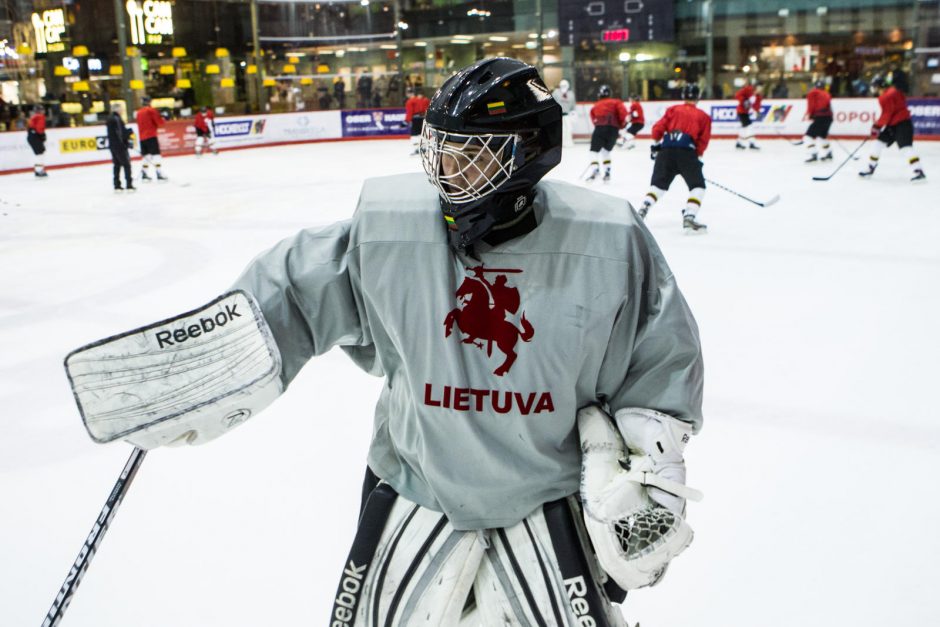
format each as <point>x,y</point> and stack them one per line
<point>634,503</point>
<point>186,380</point>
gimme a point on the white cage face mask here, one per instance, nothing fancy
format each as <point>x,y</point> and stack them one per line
<point>467,167</point>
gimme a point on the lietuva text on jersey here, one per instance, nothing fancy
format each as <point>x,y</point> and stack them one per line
<point>487,360</point>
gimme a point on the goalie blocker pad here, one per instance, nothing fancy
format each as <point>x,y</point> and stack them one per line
<point>185,380</point>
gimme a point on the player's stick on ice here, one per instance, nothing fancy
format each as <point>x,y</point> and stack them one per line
<point>759,203</point>
<point>842,146</point>
<point>793,142</point>
<point>841,165</point>
<point>94,539</point>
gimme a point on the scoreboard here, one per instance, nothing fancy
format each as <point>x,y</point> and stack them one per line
<point>615,21</point>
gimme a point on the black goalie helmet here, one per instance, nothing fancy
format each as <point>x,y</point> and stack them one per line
<point>604,91</point>
<point>490,134</point>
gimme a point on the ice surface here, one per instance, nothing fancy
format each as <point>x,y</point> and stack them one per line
<point>819,457</point>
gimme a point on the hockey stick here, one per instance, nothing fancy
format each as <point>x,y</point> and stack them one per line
<point>793,142</point>
<point>842,146</point>
<point>841,165</point>
<point>766,203</point>
<point>100,527</point>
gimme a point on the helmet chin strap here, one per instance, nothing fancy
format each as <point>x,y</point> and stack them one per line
<point>496,219</point>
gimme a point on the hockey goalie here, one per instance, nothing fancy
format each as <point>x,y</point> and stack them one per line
<point>543,374</point>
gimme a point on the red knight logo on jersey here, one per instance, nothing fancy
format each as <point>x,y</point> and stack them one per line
<point>482,315</point>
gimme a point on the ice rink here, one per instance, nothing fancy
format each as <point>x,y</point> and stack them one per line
<point>819,458</point>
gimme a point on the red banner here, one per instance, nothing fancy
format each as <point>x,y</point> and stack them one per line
<point>177,137</point>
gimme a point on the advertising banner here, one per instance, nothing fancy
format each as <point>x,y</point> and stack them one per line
<point>374,122</point>
<point>89,144</point>
<point>851,117</point>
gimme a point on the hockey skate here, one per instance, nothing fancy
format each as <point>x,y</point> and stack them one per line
<point>592,176</point>
<point>812,159</point>
<point>690,226</point>
<point>740,146</point>
<point>162,177</point>
<point>918,176</point>
<point>753,146</point>
<point>827,156</point>
<point>145,177</point>
<point>606,177</point>
<point>40,174</point>
<point>643,210</point>
<point>866,173</point>
<point>118,189</point>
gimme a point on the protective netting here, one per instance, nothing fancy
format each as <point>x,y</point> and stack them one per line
<point>645,531</point>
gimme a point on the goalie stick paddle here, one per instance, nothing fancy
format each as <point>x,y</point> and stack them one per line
<point>765,203</point>
<point>94,539</point>
<point>841,165</point>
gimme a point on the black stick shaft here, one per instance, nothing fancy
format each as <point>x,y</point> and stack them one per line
<point>731,191</point>
<point>94,539</point>
<point>847,159</point>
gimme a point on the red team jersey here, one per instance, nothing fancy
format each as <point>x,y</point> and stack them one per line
<point>147,122</point>
<point>37,122</point>
<point>743,96</point>
<point>202,120</point>
<point>688,119</point>
<point>416,105</point>
<point>609,112</point>
<point>818,103</point>
<point>893,108</point>
<point>636,114</point>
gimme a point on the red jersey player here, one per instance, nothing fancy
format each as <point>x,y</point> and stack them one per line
<point>637,122</point>
<point>819,110</point>
<point>36,138</point>
<point>204,130</point>
<point>749,100</point>
<point>609,116</point>
<point>894,125</point>
<point>681,137</point>
<point>148,121</point>
<point>415,108</point>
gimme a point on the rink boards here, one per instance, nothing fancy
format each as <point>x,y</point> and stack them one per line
<point>853,117</point>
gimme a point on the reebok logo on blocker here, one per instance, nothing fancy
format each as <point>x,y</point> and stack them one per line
<point>206,325</point>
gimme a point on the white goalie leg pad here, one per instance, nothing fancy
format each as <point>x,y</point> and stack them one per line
<point>422,571</point>
<point>186,380</point>
<point>634,537</point>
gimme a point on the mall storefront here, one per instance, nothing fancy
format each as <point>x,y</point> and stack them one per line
<point>362,53</point>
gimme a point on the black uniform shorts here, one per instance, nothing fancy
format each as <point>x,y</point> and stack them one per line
<point>635,128</point>
<point>819,127</point>
<point>417,121</point>
<point>149,146</point>
<point>604,137</point>
<point>745,119</point>
<point>673,162</point>
<point>203,133</point>
<point>36,142</point>
<point>902,133</point>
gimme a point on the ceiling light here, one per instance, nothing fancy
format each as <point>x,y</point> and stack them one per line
<point>499,38</point>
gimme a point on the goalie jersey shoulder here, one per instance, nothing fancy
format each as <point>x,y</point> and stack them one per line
<point>587,222</point>
<point>399,208</point>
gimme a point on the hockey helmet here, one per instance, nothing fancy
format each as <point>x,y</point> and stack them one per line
<point>819,83</point>
<point>491,132</point>
<point>145,100</point>
<point>880,81</point>
<point>691,91</point>
<point>604,91</point>
<point>564,85</point>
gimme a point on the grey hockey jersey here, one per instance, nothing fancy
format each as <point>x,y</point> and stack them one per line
<point>486,360</point>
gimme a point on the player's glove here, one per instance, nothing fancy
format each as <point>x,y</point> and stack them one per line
<point>654,150</point>
<point>875,131</point>
<point>635,531</point>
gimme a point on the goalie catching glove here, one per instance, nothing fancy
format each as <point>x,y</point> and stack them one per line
<point>185,380</point>
<point>634,504</point>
